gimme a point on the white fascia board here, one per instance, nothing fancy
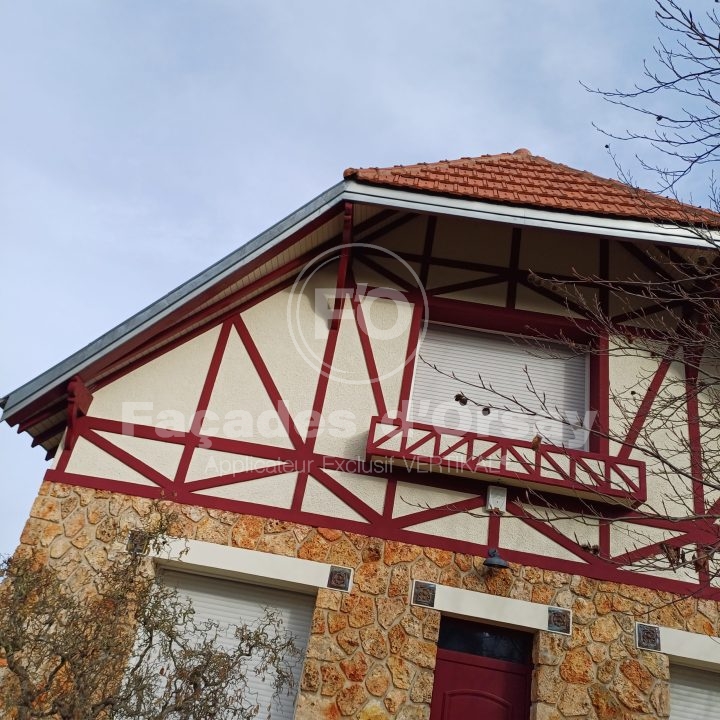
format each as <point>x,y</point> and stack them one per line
<point>259,568</point>
<point>693,649</point>
<point>528,217</point>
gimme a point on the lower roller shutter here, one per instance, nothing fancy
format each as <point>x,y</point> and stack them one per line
<point>234,603</point>
<point>694,694</point>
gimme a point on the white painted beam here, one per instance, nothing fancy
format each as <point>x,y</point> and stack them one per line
<point>260,568</point>
<point>694,649</point>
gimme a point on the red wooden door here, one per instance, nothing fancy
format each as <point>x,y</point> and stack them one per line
<point>481,673</point>
<point>469,686</point>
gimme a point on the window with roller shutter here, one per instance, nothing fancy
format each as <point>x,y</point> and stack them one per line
<point>518,389</point>
<point>231,603</point>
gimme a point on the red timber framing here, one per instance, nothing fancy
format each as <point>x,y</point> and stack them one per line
<point>79,400</point>
<point>573,481</point>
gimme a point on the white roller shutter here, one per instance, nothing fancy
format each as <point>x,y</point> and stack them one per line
<point>514,369</point>
<point>235,603</point>
<point>694,694</point>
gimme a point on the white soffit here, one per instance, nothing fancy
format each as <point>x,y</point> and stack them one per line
<point>529,217</point>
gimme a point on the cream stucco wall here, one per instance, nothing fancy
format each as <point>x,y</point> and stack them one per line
<point>290,331</point>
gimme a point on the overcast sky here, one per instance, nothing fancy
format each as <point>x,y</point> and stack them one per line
<point>141,140</point>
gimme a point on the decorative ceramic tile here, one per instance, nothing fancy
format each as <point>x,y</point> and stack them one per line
<point>339,578</point>
<point>559,620</point>
<point>647,637</point>
<point>137,542</point>
<point>423,593</point>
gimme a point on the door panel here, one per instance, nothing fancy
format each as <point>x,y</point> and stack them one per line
<point>474,703</point>
<point>471,686</point>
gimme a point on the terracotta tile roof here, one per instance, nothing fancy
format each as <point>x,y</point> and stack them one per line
<point>521,178</point>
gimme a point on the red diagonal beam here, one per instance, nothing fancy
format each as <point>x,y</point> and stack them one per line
<point>647,401</point>
<point>617,468</point>
<point>268,383</point>
<point>644,312</point>
<point>385,272</point>
<point>548,457</point>
<point>178,437</point>
<point>599,480</point>
<point>555,297</point>
<point>467,285</point>
<point>127,459</point>
<point>378,442</point>
<point>530,467</point>
<point>428,436</point>
<point>321,388</point>
<point>545,528</point>
<point>414,339</point>
<point>352,501</point>
<point>388,228</point>
<point>647,551</point>
<point>369,356</point>
<point>240,477</point>
<point>193,438</point>
<point>439,512</point>
<point>452,448</point>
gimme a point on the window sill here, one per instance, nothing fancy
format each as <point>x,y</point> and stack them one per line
<point>593,476</point>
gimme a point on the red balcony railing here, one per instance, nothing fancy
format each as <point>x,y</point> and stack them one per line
<point>577,472</point>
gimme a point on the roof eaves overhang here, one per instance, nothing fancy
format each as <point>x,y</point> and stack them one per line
<point>531,217</point>
<point>17,400</point>
<point>348,190</point>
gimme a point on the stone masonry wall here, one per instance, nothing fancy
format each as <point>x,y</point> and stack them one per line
<point>371,655</point>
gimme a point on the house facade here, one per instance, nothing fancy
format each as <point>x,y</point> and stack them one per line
<point>433,417</point>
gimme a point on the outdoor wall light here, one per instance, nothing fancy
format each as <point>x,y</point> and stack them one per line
<point>494,561</point>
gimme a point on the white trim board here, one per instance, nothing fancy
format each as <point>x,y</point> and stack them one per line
<point>509,612</point>
<point>253,566</point>
<point>687,648</point>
